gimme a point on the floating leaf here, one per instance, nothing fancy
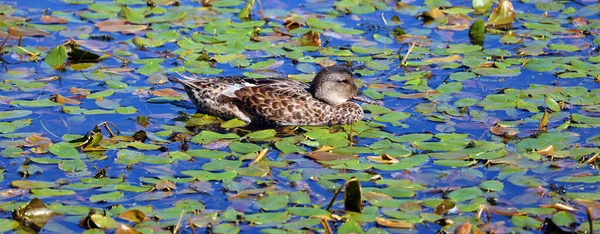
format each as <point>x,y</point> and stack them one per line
<point>35,214</point>
<point>313,22</point>
<point>52,192</point>
<point>244,147</point>
<point>273,201</point>
<point>503,14</point>
<point>27,32</point>
<point>65,100</point>
<point>311,38</point>
<point>482,5</point>
<point>36,103</point>
<point>12,114</point>
<point>64,150</point>
<point>111,196</point>
<point>134,215</point>
<point>119,26</point>
<point>101,94</point>
<point>465,194</point>
<point>524,221</point>
<point>540,64</point>
<point>327,156</point>
<point>30,184</point>
<point>8,225</point>
<point>497,72</point>
<point>57,57</point>
<point>263,134</point>
<point>394,223</point>
<point>492,185</point>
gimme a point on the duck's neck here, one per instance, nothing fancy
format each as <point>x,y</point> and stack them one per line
<point>327,96</point>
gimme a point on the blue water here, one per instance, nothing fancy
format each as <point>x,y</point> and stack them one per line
<point>53,123</point>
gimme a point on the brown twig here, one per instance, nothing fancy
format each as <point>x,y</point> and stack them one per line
<point>176,229</point>
<point>412,45</point>
<point>105,125</point>
<point>260,8</point>
<point>387,30</point>
<point>590,220</point>
<point>334,197</point>
<point>326,226</point>
<point>191,224</point>
<point>259,157</point>
<point>480,211</point>
<point>350,136</point>
<point>4,42</point>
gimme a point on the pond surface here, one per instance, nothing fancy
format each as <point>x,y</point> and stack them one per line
<point>489,129</point>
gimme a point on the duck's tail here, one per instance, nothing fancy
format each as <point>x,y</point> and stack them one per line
<point>183,79</point>
<point>173,79</point>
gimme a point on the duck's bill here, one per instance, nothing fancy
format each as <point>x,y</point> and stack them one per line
<point>365,99</point>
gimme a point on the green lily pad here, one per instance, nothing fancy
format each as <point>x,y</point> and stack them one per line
<point>56,57</point>
<point>244,148</point>
<point>12,114</point>
<point>465,194</point>
<point>30,184</point>
<point>64,150</point>
<point>111,196</point>
<point>273,202</point>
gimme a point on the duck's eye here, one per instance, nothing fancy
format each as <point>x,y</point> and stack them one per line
<point>345,81</point>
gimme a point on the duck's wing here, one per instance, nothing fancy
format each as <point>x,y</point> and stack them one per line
<point>278,104</point>
<point>278,82</point>
<point>283,87</point>
<point>216,84</point>
<point>237,82</point>
<point>268,100</point>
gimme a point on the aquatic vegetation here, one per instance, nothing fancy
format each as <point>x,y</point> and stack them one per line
<point>489,120</point>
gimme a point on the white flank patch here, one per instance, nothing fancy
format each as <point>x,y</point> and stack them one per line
<point>230,91</point>
<point>282,123</point>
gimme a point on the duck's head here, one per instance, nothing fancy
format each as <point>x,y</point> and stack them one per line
<point>333,85</point>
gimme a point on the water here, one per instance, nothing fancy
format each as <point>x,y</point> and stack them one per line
<point>53,123</point>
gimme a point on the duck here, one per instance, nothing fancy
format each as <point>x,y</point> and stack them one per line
<point>324,101</point>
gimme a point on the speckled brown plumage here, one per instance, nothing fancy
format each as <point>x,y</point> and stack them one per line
<point>279,101</point>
